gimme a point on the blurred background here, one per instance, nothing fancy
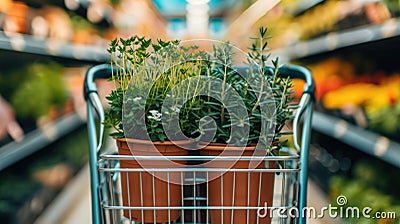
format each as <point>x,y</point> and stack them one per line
<point>350,46</point>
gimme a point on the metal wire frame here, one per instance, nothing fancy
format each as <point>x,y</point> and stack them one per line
<point>194,207</point>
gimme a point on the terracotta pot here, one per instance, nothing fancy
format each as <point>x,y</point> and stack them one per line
<point>240,188</point>
<point>142,189</point>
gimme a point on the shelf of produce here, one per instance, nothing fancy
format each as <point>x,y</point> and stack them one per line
<point>39,138</point>
<point>52,47</point>
<point>364,140</point>
<point>342,39</point>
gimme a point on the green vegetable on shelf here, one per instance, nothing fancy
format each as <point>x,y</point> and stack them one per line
<point>41,88</point>
<point>371,184</point>
<point>386,120</point>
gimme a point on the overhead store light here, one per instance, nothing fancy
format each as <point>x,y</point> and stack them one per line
<point>197,17</point>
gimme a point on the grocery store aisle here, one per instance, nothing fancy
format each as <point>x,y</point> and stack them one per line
<point>80,213</point>
<point>73,205</point>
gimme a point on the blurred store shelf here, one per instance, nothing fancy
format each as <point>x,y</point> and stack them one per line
<point>39,138</point>
<point>73,204</point>
<point>52,47</point>
<point>337,40</point>
<point>364,140</point>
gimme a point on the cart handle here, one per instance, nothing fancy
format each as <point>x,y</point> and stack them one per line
<point>102,71</point>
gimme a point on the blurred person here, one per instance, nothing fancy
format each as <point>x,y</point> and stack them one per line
<point>8,124</point>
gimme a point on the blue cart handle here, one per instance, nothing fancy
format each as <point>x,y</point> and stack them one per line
<point>299,72</point>
<point>305,107</point>
<point>102,71</point>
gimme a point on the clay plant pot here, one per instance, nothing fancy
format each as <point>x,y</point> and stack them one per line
<point>243,189</point>
<point>146,189</point>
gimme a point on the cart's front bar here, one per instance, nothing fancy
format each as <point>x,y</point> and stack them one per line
<point>200,158</point>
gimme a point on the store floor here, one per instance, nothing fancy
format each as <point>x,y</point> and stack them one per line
<point>72,206</point>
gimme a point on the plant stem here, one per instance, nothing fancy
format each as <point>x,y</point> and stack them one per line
<point>223,88</point>
<point>260,93</point>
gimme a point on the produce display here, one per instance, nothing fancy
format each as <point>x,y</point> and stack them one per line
<point>371,184</point>
<point>48,21</point>
<point>28,187</point>
<point>380,102</point>
<point>92,23</point>
<point>289,26</point>
<point>356,89</point>
<point>36,90</point>
<point>41,92</point>
<point>40,88</point>
<point>369,96</point>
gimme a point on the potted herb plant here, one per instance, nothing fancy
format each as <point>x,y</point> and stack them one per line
<point>250,128</point>
<point>166,93</point>
<point>145,74</point>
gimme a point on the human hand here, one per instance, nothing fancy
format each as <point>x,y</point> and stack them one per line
<point>8,124</point>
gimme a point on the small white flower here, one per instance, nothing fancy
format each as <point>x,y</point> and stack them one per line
<point>155,115</point>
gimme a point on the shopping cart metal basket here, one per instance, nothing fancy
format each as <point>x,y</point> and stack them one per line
<point>290,177</point>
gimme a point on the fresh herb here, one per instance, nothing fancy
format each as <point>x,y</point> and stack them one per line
<point>266,96</point>
<point>145,77</point>
<point>169,92</point>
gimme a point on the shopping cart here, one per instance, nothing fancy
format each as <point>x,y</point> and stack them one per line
<point>194,205</point>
